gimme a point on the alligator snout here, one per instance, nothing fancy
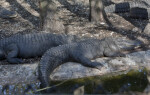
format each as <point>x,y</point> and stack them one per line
<point>126,44</point>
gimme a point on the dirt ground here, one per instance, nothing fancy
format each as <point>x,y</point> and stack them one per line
<point>74,14</point>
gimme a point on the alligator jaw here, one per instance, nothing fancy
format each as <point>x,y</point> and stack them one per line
<point>126,44</point>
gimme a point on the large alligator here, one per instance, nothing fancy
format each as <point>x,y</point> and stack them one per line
<point>126,6</point>
<point>81,52</point>
<point>31,45</point>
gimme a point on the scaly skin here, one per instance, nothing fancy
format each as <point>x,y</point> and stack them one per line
<point>30,45</point>
<point>81,52</point>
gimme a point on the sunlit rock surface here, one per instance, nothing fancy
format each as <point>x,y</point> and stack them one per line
<point>26,75</point>
<point>111,65</point>
<point>13,74</point>
<point>147,29</point>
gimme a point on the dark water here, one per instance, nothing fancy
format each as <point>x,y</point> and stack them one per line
<point>19,89</point>
<point>132,81</point>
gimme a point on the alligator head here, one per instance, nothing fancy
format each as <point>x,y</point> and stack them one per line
<point>126,44</point>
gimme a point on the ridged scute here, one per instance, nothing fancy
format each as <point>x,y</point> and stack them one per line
<point>51,60</point>
<point>81,52</point>
<point>32,45</point>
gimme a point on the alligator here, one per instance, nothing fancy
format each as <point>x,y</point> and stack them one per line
<point>81,52</point>
<point>140,13</point>
<point>19,46</point>
<point>126,6</point>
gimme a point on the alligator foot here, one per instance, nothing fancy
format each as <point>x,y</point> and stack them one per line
<point>97,65</point>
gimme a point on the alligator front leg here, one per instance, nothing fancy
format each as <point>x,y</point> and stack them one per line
<point>87,62</point>
<point>12,54</point>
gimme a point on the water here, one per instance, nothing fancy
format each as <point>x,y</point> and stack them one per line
<point>19,89</point>
<point>132,81</point>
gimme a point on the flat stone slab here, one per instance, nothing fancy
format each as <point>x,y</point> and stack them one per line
<point>27,73</point>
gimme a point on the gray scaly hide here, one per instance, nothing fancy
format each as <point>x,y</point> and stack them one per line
<point>81,52</point>
<point>31,45</point>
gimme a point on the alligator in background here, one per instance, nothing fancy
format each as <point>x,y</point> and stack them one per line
<point>140,13</point>
<point>31,45</point>
<point>137,9</point>
<point>81,52</point>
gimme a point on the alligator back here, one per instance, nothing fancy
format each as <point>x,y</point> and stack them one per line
<point>32,45</point>
<point>80,52</point>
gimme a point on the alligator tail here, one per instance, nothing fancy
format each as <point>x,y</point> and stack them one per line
<point>140,13</point>
<point>124,7</point>
<point>118,8</point>
<point>50,61</point>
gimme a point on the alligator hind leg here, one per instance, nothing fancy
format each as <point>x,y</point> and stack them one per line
<point>12,54</point>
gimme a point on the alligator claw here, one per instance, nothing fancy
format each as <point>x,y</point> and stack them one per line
<point>97,65</point>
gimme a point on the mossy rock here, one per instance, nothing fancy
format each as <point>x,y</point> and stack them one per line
<point>132,81</point>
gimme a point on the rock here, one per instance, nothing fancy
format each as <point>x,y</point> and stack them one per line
<point>147,29</point>
<point>79,91</point>
<point>71,70</point>
<point>28,72</point>
<point>14,74</point>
